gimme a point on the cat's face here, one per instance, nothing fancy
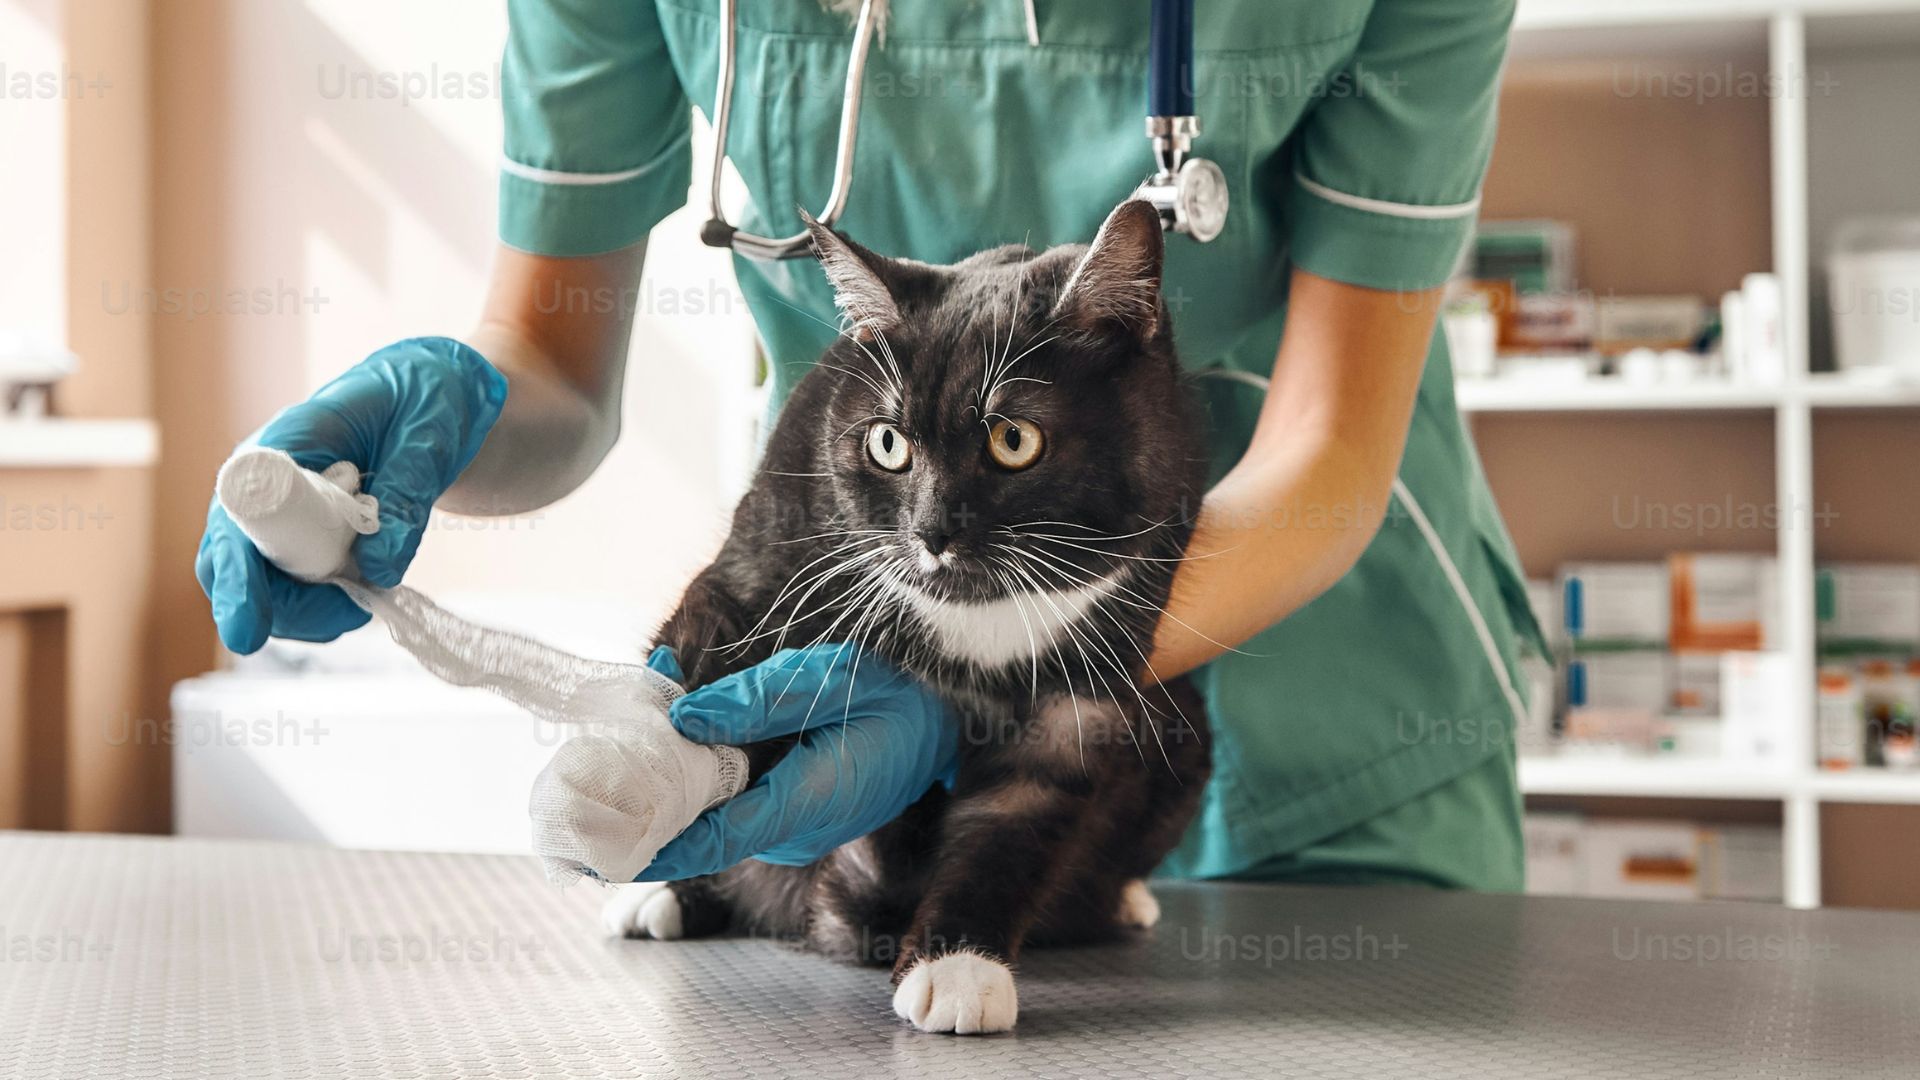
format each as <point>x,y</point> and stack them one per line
<point>1014,423</point>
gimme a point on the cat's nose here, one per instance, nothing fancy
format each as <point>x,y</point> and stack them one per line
<point>934,538</point>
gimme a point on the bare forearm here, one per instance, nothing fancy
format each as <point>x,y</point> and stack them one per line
<point>1313,488</point>
<point>558,329</point>
<point>550,436</point>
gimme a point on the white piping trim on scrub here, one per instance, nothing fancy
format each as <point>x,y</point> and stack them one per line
<point>1480,630</point>
<point>1033,24</point>
<point>574,179</point>
<point>1391,209</point>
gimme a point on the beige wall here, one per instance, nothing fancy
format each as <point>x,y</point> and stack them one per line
<point>75,587</point>
<point>245,149</point>
<point>378,215</point>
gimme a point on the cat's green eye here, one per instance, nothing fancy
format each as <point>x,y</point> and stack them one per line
<point>888,448</point>
<point>1015,444</point>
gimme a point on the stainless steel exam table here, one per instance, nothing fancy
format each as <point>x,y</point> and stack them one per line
<point>139,957</point>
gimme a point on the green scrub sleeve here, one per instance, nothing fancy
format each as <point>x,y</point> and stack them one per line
<point>596,127</point>
<point>1387,170</point>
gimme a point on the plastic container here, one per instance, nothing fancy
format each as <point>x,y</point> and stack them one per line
<point>1841,730</point>
<point>1873,292</point>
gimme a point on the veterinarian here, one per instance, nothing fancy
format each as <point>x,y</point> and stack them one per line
<point>1349,552</point>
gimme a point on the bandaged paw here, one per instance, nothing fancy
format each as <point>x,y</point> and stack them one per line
<point>612,796</point>
<point>609,801</point>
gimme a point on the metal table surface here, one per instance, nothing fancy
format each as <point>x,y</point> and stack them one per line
<point>139,957</point>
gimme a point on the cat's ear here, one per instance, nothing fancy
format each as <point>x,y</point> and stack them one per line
<point>1117,282</point>
<point>859,290</point>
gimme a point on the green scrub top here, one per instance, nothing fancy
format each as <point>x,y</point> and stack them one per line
<point>1353,135</point>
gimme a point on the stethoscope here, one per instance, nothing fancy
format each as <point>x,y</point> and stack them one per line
<point>1190,192</point>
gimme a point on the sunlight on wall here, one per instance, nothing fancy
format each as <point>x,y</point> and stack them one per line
<point>37,86</point>
<point>398,117</point>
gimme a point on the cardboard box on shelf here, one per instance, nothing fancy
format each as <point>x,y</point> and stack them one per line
<point>1553,853</point>
<point>1756,712</point>
<point>1614,699</point>
<point>1535,256</point>
<point>1742,862</point>
<point>1868,607</point>
<point>1723,601</point>
<point>1840,728</point>
<point>1627,679</point>
<point>1623,323</point>
<point>1641,860</point>
<point>1696,683</point>
<point>1616,603</point>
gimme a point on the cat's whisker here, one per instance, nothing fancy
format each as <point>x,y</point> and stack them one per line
<point>832,532</point>
<point>850,599</point>
<point>1025,528</point>
<point>774,606</point>
<point>1042,538</point>
<point>1079,644</point>
<point>1131,639</point>
<point>867,419</point>
<point>1001,382</point>
<point>886,350</point>
<point>1033,645</point>
<point>1138,600</point>
<point>1129,678</point>
<point>879,391</point>
<point>875,548</point>
<point>845,331</point>
<point>855,600</point>
<point>859,636</point>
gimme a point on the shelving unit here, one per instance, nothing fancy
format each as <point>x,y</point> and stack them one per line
<point>1782,39</point>
<point>78,444</point>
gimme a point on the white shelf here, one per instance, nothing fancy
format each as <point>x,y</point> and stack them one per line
<point>1658,15</point>
<point>1653,778</point>
<point>1606,395</point>
<point>1866,786</point>
<point>78,444</point>
<point>1683,778</point>
<point>1837,392</point>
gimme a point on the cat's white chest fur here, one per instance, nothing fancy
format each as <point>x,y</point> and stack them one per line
<point>995,633</point>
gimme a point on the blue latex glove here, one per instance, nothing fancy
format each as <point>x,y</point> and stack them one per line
<point>412,417</point>
<point>855,768</point>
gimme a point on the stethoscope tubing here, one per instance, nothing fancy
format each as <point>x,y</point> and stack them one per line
<point>1169,95</point>
<point>717,231</point>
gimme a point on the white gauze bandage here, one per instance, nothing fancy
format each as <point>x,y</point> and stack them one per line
<point>612,796</point>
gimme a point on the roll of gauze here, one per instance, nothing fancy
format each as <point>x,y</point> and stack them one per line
<point>303,521</point>
<point>611,797</point>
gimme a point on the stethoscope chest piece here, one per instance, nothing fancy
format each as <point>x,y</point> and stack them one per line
<point>1190,192</point>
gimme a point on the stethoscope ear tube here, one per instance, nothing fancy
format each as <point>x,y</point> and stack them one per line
<point>718,231</point>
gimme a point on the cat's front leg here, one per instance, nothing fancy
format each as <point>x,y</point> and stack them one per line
<point>1017,827</point>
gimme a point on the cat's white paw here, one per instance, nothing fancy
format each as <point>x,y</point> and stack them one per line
<point>963,992</point>
<point>1138,909</point>
<point>646,910</point>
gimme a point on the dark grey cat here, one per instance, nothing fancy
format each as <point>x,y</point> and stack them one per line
<point>1000,461</point>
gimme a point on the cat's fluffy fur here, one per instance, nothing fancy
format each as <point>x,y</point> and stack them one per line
<point>1076,778</point>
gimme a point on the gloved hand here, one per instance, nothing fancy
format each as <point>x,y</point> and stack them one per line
<point>855,769</point>
<point>411,417</point>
